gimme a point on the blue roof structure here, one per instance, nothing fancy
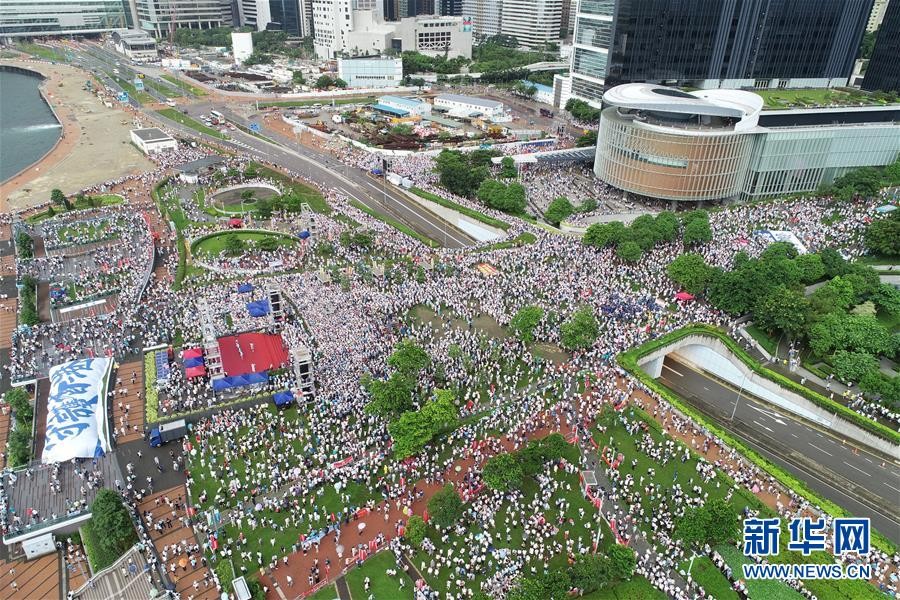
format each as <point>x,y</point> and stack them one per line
<point>390,109</point>
<point>539,86</point>
<point>401,101</point>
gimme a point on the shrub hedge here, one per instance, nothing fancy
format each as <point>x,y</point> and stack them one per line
<point>478,216</point>
<point>628,361</point>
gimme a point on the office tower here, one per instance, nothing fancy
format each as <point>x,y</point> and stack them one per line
<point>39,17</point>
<point>534,23</point>
<point>285,15</point>
<point>711,43</point>
<point>883,72</point>
<point>332,21</point>
<point>162,17</point>
<point>449,8</point>
<point>877,15</point>
<point>254,13</point>
<point>567,18</point>
<point>485,15</point>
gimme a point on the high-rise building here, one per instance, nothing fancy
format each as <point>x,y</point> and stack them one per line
<point>883,72</point>
<point>534,23</point>
<point>877,14</point>
<point>161,17</point>
<point>332,21</point>
<point>41,17</point>
<point>254,13</point>
<point>712,44</point>
<point>449,8</point>
<point>485,15</point>
<point>285,15</point>
<point>567,18</point>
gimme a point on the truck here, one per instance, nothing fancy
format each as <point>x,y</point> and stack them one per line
<point>546,113</point>
<point>166,432</point>
<point>394,178</point>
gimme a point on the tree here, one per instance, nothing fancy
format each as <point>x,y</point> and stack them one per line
<point>251,172</point>
<point>582,111</point>
<point>264,209</point>
<point>547,586</point>
<point>410,433</point>
<point>587,139</point>
<point>112,521</point>
<point>853,366</point>
<point>323,82</point>
<point>60,199</point>
<point>833,261</point>
<point>445,507</point>
<point>258,58</point>
<point>268,244</point>
<point>855,333</point>
<point>340,83</point>
<point>391,397</point>
<point>525,321</point>
<point>233,245</point>
<point>457,174</point>
<point>835,295</point>
<point>297,78</point>
<point>600,235</point>
<point>811,268</point>
<point>409,358</point>
<point>697,232</point>
<point>782,309</point>
<point>883,235</point>
<point>590,572</point>
<point>887,298</point>
<point>714,522</point>
<point>690,271</point>
<point>581,330</point>
<point>415,531</point>
<point>555,447</point>
<point>666,225</point>
<point>503,472</point>
<point>508,168</point>
<point>513,200</point>
<point>622,562</point>
<point>629,251</point>
<point>558,211</point>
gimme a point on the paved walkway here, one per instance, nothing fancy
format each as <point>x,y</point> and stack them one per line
<point>128,402</point>
<point>36,579</point>
<point>126,580</point>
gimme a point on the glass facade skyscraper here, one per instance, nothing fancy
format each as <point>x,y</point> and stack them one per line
<point>716,43</point>
<point>883,72</point>
<point>62,17</point>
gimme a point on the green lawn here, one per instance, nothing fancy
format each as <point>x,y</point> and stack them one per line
<point>88,231</point>
<point>757,588</point>
<point>215,244</point>
<point>763,338</point>
<point>523,239</point>
<point>799,98</point>
<point>892,322</point>
<point>706,574</point>
<point>44,52</point>
<point>878,260</point>
<point>323,102</point>
<point>478,216</point>
<point>86,203</point>
<point>383,586</point>
<point>165,90</point>
<point>305,192</point>
<point>183,85</point>
<point>329,592</point>
<point>174,115</point>
<point>638,588</point>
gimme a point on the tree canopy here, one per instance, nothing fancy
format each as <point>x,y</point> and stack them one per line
<point>558,211</point>
<point>110,517</point>
<point>445,507</point>
<point>581,330</point>
<point>525,321</point>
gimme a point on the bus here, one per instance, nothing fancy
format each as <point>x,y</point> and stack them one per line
<point>217,117</point>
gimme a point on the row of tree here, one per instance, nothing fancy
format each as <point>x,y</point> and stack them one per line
<point>645,232</point>
<point>507,471</point>
<point>582,111</point>
<point>882,236</point>
<point>864,182</point>
<point>509,198</point>
<point>837,320</point>
<point>462,173</point>
<point>562,208</point>
<point>393,399</point>
<point>19,443</point>
<point>588,574</point>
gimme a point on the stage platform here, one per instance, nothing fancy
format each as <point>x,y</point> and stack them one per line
<point>252,353</point>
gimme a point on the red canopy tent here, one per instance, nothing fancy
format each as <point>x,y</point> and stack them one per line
<point>235,223</point>
<point>683,296</point>
<point>198,371</point>
<point>192,353</point>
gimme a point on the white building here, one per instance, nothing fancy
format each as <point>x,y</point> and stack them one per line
<point>458,105</point>
<point>543,93</point>
<point>410,107</point>
<point>241,46</point>
<point>332,23</point>
<point>136,45</point>
<point>254,13</point>
<point>534,23</point>
<point>592,43</point>
<point>160,16</point>
<point>431,35</point>
<point>374,72</point>
<point>485,16</point>
<point>153,140</point>
<point>877,14</point>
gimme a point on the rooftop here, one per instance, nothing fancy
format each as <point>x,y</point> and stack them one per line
<point>390,109</point>
<point>469,100</point>
<point>152,134</point>
<point>400,100</point>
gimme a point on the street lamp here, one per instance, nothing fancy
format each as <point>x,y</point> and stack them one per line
<point>738,399</point>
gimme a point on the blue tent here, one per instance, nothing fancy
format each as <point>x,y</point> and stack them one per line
<point>193,362</point>
<point>303,234</point>
<point>245,287</point>
<point>256,377</point>
<point>239,381</point>
<point>283,398</point>
<point>259,308</point>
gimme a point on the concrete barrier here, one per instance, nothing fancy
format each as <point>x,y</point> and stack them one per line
<point>707,353</point>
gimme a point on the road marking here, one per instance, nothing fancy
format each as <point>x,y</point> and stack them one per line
<point>892,487</point>
<point>819,449</point>
<point>867,459</point>
<point>857,468</point>
<point>706,388</point>
<point>795,435</point>
<point>819,434</point>
<point>673,370</point>
<point>763,426</point>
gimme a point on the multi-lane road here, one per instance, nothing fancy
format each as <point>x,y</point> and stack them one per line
<point>865,483</point>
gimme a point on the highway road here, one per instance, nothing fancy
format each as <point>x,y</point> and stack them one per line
<point>865,483</point>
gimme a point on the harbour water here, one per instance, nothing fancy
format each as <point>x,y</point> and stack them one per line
<point>28,128</point>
